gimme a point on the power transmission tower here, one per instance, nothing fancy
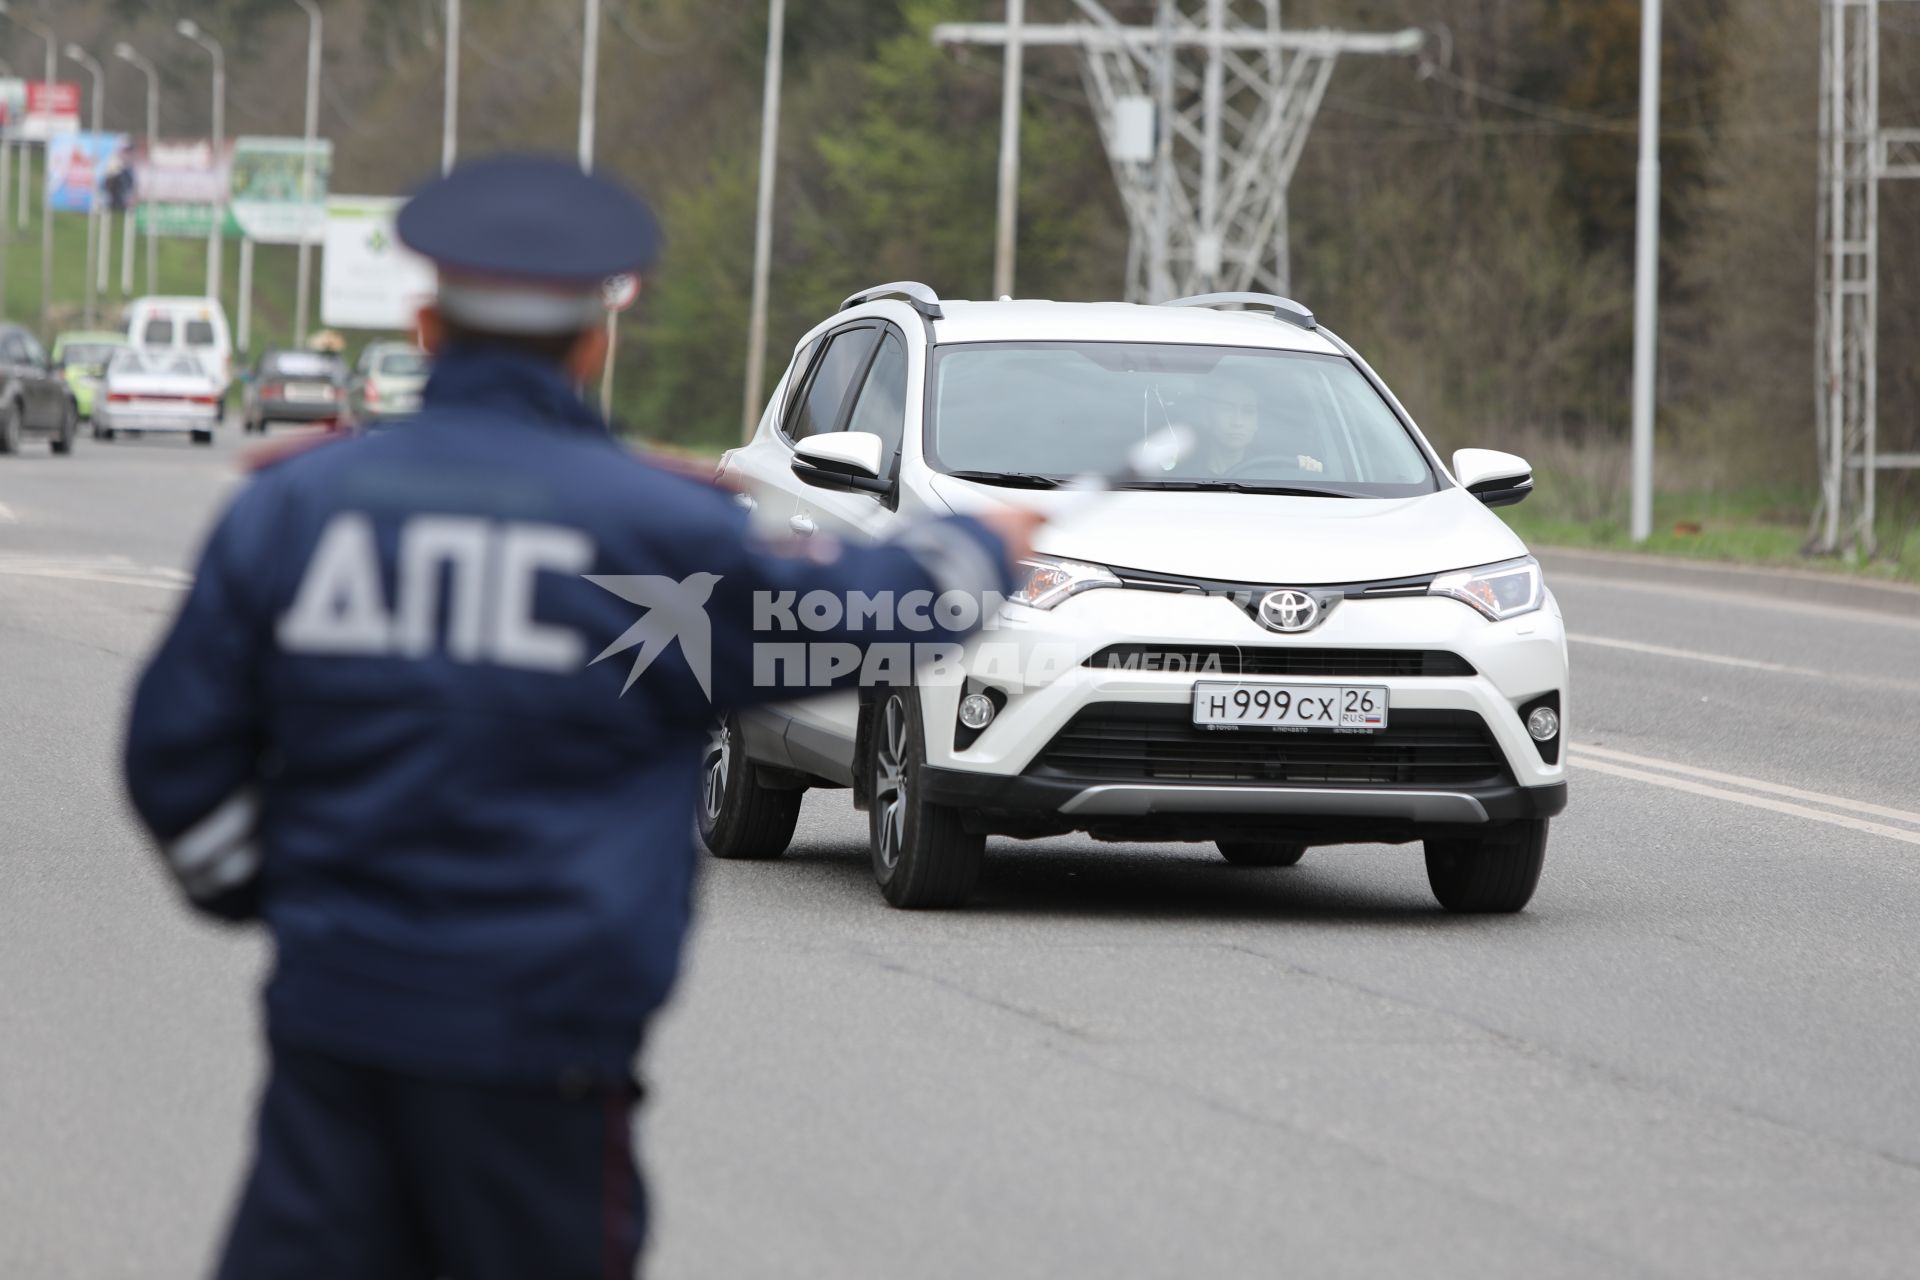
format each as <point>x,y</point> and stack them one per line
<point>1203,114</point>
<point>1855,155</point>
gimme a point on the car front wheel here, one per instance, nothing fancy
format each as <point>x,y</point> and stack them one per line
<point>69,428</point>
<point>1491,873</point>
<point>922,856</point>
<point>738,817</point>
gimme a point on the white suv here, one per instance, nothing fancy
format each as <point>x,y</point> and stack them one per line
<point>1298,630</point>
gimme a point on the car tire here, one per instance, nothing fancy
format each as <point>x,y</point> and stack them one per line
<point>923,858</point>
<point>62,442</point>
<point>203,437</point>
<point>1261,853</point>
<point>738,818</point>
<point>10,428</point>
<point>1492,873</point>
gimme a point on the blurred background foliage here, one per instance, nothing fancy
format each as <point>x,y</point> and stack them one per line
<point>1466,217</point>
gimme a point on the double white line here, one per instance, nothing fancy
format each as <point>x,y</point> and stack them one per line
<point>1836,811</point>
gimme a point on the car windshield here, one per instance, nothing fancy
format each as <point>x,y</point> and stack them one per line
<point>127,360</point>
<point>301,364</point>
<point>1259,419</point>
<point>88,355</point>
<point>402,364</point>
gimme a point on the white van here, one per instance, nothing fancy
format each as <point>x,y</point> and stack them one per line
<point>193,326</point>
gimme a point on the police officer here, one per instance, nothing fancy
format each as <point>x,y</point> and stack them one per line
<point>379,726</point>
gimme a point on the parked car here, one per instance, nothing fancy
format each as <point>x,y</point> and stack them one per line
<point>34,399</point>
<point>387,381</point>
<point>192,326</point>
<point>156,391</point>
<point>1305,631</point>
<point>293,386</point>
<point>81,359</point>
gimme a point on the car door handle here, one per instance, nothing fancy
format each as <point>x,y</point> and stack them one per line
<point>802,524</point>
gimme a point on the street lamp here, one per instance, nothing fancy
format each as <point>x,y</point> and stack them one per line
<point>47,37</point>
<point>192,32</point>
<point>127,53</point>
<point>306,168</point>
<point>76,54</point>
<point>450,108</point>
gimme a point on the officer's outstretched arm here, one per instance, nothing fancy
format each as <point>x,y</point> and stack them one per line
<point>196,733</point>
<point>789,619</point>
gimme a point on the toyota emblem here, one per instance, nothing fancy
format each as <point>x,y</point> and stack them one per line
<point>1288,610</point>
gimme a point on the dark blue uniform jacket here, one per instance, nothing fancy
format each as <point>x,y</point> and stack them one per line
<point>377,723</point>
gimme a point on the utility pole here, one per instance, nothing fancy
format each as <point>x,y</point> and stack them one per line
<point>1856,154</point>
<point>1646,271</point>
<point>1009,202</point>
<point>216,233</point>
<point>589,83</point>
<point>450,108</point>
<point>1231,96</point>
<point>76,54</point>
<point>305,275</point>
<point>127,53</point>
<point>763,216</point>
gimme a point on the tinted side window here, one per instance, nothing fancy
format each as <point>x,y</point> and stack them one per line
<point>11,349</point>
<point>158,333</point>
<point>882,407</point>
<point>31,346</point>
<point>819,407</point>
<point>199,333</point>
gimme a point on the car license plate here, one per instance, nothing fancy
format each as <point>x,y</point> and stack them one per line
<point>1244,704</point>
<point>308,392</point>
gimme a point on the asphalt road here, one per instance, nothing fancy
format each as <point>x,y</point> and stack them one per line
<point>1695,1055</point>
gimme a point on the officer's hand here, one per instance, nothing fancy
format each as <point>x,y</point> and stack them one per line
<point>1015,527</point>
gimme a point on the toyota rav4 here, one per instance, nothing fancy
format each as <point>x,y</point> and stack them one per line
<point>1298,629</point>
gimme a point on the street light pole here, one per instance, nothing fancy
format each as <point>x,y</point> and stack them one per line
<point>215,243</point>
<point>589,83</point>
<point>763,216</point>
<point>1009,203</point>
<point>50,40</point>
<point>306,170</point>
<point>127,53</point>
<point>1646,272</point>
<point>450,109</point>
<point>76,54</point>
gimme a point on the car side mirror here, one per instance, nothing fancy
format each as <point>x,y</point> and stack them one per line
<point>842,460</point>
<point>1497,479</point>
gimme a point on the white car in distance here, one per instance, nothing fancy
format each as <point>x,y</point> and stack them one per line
<point>156,391</point>
<point>1301,631</point>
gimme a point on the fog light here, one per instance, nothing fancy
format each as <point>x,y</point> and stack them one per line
<point>976,711</point>
<point>1543,724</point>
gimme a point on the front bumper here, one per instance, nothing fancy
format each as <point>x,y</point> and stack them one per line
<point>1016,776</point>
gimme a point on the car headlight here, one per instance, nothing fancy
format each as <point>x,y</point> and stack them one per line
<point>1500,591</point>
<point>1049,581</point>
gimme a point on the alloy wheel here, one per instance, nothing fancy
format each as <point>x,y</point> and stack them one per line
<point>714,767</point>
<point>890,780</point>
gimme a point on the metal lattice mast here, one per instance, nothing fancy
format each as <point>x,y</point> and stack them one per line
<point>1204,115</point>
<point>1855,154</point>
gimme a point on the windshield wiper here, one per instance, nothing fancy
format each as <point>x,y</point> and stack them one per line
<point>1237,486</point>
<point>1011,479</point>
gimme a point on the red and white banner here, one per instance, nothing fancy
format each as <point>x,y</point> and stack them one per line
<point>53,108</point>
<point>182,171</point>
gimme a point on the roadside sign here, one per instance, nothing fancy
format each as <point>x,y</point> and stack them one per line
<point>620,291</point>
<point>368,279</point>
<point>77,165</point>
<point>266,197</point>
<point>53,108</point>
<point>185,221</point>
<point>182,171</point>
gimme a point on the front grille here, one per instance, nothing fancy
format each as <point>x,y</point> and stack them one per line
<point>1275,660</point>
<point>1133,743</point>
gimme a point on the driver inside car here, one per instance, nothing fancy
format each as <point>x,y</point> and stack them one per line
<point>1230,424</point>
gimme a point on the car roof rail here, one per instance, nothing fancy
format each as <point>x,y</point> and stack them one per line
<point>916,295</point>
<point>1283,308</point>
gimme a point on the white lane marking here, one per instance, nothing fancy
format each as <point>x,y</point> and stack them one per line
<point>1750,784</point>
<point>7,516</point>
<point>1694,655</point>
<point>1736,598</point>
<point>1755,802</point>
<point>116,571</point>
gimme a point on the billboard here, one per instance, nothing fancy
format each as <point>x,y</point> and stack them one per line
<point>182,171</point>
<point>77,165</point>
<point>266,199</point>
<point>13,103</point>
<point>368,279</point>
<point>53,108</point>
